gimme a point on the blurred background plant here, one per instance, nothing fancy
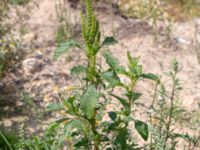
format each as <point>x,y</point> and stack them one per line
<point>179,10</point>
<point>11,51</point>
<point>7,140</point>
<point>67,26</point>
<point>18,2</point>
<point>167,114</point>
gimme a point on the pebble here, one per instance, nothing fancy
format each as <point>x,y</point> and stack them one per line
<point>181,40</point>
<point>32,65</point>
<point>7,123</point>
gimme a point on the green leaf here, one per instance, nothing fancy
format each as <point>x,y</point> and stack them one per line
<point>122,101</point>
<point>54,107</point>
<point>69,106</point>
<point>73,124</point>
<point>77,70</point>
<point>52,127</point>
<point>151,77</point>
<point>142,129</point>
<point>183,136</point>
<point>109,41</point>
<point>112,78</point>
<point>113,62</point>
<point>133,95</point>
<point>134,67</point>
<point>4,139</point>
<point>112,115</point>
<point>81,143</point>
<point>88,101</point>
<point>121,139</point>
<point>65,47</point>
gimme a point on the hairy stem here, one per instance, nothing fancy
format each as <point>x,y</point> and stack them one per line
<point>91,68</point>
<point>170,111</point>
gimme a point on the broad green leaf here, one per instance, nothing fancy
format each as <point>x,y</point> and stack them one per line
<point>142,129</point>
<point>112,78</point>
<point>113,62</point>
<point>121,139</point>
<point>54,107</point>
<point>133,95</point>
<point>122,101</point>
<point>65,47</point>
<point>151,77</point>
<point>112,115</point>
<point>73,124</point>
<point>88,101</point>
<point>77,70</point>
<point>109,41</point>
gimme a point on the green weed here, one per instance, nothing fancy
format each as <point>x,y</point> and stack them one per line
<point>86,107</point>
<point>87,123</point>
<point>7,140</point>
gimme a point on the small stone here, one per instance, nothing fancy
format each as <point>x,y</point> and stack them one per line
<point>32,65</point>
<point>181,40</point>
<point>32,130</point>
<point>9,87</point>
<point>47,98</point>
<point>7,123</point>
<point>29,37</point>
<point>39,56</point>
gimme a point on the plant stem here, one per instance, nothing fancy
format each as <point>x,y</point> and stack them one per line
<point>152,107</point>
<point>91,68</point>
<point>170,111</point>
<point>96,140</point>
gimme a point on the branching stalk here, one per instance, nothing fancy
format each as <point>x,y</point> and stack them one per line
<point>168,125</point>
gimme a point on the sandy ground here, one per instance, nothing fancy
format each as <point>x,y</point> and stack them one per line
<point>135,36</point>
